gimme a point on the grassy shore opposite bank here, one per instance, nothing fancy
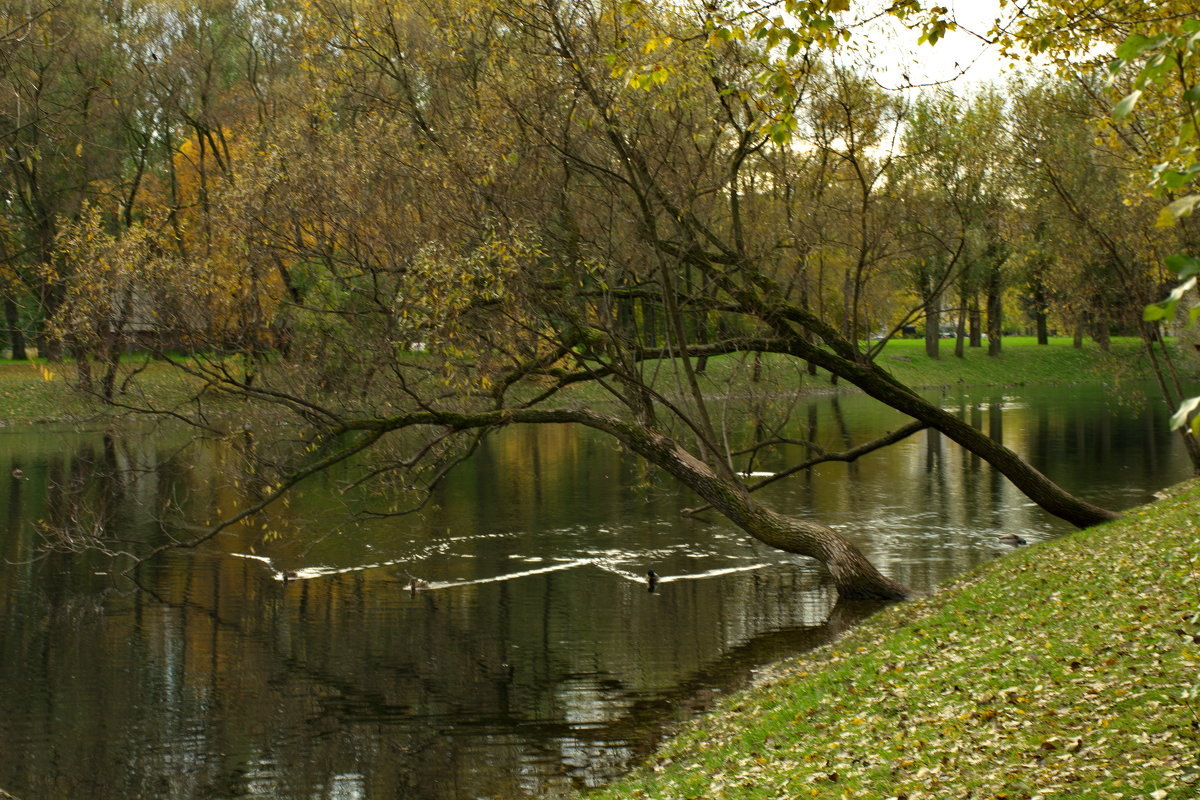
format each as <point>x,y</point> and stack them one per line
<point>36,392</point>
<point>1021,361</point>
<point>1058,671</point>
<point>32,392</point>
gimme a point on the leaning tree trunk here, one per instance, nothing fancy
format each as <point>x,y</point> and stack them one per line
<point>1036,486</point>
<point>853,575</point>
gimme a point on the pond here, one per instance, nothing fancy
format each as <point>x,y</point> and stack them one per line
<point>535,660</point>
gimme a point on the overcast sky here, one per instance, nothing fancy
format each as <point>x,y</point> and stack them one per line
<point>895,53</point>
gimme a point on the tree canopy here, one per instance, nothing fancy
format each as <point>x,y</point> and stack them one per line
<point>389,229</point>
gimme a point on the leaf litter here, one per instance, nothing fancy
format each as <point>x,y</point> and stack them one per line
<point>1070,669</point>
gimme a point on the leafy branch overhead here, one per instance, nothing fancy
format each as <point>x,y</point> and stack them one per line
<point>1166,65</point>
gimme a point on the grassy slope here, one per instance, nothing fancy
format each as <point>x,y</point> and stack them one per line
<point>1054,672</point>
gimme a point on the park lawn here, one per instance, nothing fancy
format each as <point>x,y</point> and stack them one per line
<point>32,392</point>
<point>36,392</point>
<point>1057,671</point>
<point>1021,361</point>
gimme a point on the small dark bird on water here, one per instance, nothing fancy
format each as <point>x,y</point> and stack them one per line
<point>652,579</point>
<point>1011,538</point>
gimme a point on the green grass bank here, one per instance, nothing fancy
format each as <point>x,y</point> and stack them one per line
<point>1021,361</point>
<point>1059,671</point>
<point>32,392</point>
<point>37,392</point>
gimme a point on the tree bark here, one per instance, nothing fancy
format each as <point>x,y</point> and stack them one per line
<point>1036,486</point>
<point>975,323</point>
<point>1043,335</point>
<point>933,321</point>
<point>960,325</point>
<point>853,575</point>
<point>995,312</point>
<point>16,337</point>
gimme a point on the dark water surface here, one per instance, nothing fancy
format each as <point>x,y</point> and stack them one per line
<point>535,660</point>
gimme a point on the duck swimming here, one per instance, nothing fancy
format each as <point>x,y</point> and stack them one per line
<point>1011,538</point>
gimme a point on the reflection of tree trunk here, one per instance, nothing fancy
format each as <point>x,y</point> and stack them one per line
<point>847,614</point>
<point>113,473</point>
<point>1042,440</point>
<point>996,421</point>
<point>15,510</point>
<point>840,419</point>
<point>813,428</point>
<point>977,424</point>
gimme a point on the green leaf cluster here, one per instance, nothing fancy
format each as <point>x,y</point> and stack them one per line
<point>1167,62</point>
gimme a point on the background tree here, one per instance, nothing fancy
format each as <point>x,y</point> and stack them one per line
<point>1080,184</point>
<point>957,173</point>
<point>429,221</point>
